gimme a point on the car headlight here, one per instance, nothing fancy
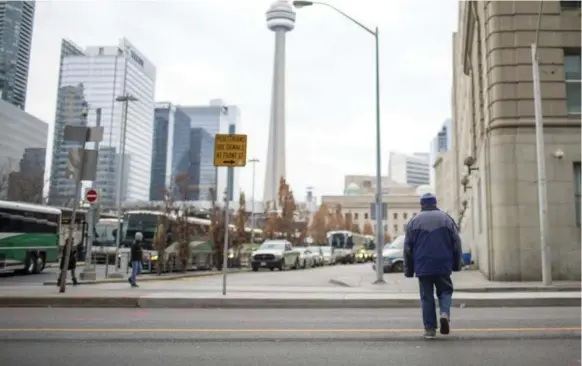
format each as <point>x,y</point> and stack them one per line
<point>154,258</point>
<point>278,256</point>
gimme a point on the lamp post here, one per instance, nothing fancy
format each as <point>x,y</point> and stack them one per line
<point>379,226</point>
<point>125,99</point>
<point>254,161</point>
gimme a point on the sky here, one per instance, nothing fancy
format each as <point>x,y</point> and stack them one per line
<point>207,49</point>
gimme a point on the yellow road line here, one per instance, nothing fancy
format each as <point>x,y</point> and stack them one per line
<point>202,330</point>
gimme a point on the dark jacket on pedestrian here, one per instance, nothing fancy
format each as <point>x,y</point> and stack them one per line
<point>432,246</point>
<point>136,251</point>
<point>72,259</point>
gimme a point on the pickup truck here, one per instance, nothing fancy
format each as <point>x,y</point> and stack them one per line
<point>275,254</point>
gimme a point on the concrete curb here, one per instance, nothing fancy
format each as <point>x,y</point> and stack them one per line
<point>553,288</point>
<point>567,288</point>
<point>149,278</point>
<point>273,303</point>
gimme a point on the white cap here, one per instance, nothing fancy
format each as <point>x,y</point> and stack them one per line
<point>138,236</point>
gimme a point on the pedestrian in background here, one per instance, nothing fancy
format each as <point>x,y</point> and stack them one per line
<point>72,263</point>
<point>432,251</point>
<point>136,254</point>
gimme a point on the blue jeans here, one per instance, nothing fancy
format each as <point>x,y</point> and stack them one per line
<point>444,292</point>
<point>135,270</point>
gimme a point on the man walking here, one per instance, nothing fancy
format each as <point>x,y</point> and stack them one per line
<point>432,251</point>
<point>136,255</point>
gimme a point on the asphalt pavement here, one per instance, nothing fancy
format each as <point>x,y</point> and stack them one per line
<point>516,337</point>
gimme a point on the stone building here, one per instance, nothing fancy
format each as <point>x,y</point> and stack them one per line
<point>494,168</point>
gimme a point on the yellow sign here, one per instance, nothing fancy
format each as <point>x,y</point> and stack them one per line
<point>230,150</point>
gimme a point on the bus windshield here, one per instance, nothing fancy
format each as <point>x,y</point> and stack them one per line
<point>147,224</point>
<point>338,240</point>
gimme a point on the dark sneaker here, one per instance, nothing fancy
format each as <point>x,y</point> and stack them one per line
<point>445,327</point>
<point>134,285</point>
<point>429,334</point>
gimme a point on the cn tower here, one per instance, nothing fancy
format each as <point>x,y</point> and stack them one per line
<point>280,19</point>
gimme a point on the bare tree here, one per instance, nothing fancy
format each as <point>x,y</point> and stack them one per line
<point>318,227</point>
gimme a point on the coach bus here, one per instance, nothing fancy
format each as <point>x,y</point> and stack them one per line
<point>29,236</point>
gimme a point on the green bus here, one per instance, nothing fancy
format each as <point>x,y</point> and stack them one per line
<point>29,236</point>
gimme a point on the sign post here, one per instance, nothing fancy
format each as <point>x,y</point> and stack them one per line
<point>82,166</point>
<point>230,151</point>
<point>92,197</point>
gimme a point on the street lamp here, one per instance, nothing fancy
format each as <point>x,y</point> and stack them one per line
<point>254,161</point>
<point>125,99</point>
<point>379,226</point>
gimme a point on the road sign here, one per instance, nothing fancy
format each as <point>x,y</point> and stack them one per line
<point>91,196</point>
<point>230,150</point>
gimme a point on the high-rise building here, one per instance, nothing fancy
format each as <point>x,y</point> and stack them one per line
<point>171,149</point>
<point>280,19</point>
<point>440,143</point>
<point>217,118</point>
<point>94,78</point>
<point>409,169</point>
<point>27,184</point>
<point>16,22</point>
<point>22,142</point>
<point>494,160</point>
<point>202,175</point>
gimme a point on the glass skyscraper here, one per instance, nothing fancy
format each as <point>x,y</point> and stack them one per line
<point>96,76</point>
<point>171,149</point>
<point>216,118</point>
<point>16,22</point>
<point>202,170</point>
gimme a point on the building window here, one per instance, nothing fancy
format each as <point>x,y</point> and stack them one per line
<point>395,216</point>
<point>413,214</point>
<point>405,215</point>
<point>577,191</point>
<point>356,216</point>
<point>366,216</point>
<point>395,229</point>
<point>573,76</point>
<point>570,5</point>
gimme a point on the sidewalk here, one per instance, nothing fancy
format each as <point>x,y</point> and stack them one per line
<point>150,277</point>
<point>464,281</point>
<point>199,293</point>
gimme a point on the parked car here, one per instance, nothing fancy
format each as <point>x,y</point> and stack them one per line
<point>329,256</point>
<point>275,254</point>
<point>393,256</point>
<point>317,255</point>
<point>305,258</point>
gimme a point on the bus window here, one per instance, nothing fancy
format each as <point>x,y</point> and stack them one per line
<point>350,242</point>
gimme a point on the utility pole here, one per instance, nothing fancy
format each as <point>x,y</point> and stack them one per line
<point>253,161</point>
<point>541,160</point>
<point>125,99</point>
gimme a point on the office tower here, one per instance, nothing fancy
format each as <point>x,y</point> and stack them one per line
<point>409,169</point>
<point>280,19</point>
<point>202,171</point>
<point>93,78</point>
<point>27,184</point>
<point>22,141</point>
<point>216,118</point>
<point>441,143</point>
<point>16,22</point>
<point>170,149</point>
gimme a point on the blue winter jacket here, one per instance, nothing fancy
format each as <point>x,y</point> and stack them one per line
<point>432,246</point>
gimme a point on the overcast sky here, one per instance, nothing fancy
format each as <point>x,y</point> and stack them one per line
<point>205,49</point>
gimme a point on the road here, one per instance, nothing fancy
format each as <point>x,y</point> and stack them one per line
<point>91,337</point>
